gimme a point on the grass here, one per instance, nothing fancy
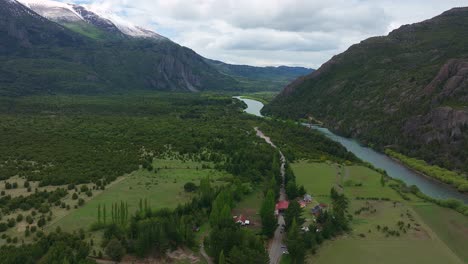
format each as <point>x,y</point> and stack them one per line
<point>317,178</point>
<point>450,226</point>
<point>371,185</point>
<point>421,243</point>
<point>355,251</point>
<point>163,188</point>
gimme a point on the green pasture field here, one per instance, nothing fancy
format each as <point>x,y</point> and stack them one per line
<point>449,225</point>
<point>384,251</point>
<point>418,242</point>
<point>163,188</point>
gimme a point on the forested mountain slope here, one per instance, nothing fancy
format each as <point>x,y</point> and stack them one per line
<point>407,90</point>
<point>65,48</point>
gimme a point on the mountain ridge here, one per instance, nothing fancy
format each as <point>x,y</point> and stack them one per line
<point>71,55</point>
<point>407,90</point>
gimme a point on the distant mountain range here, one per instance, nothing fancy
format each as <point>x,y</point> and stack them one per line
<point>407,91</point>
<point>54,47</point>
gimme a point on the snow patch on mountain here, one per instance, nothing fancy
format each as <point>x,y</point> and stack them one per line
<point>53,10</point>
<point>125,26</point>
<point>65,12</point>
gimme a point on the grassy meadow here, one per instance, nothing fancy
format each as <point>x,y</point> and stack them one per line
<point>162,188</point>
<point>450,226</point>
<point>383,231</point>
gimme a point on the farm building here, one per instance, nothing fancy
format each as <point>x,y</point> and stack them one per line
<point>241,220</point>
<point>318,209</point>
<point>307,198</point>
<point>281,206</point>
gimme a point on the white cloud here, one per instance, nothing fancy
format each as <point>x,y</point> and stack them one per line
<point>273,32</point>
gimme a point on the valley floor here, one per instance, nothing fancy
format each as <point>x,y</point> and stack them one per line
<point>423,232</point>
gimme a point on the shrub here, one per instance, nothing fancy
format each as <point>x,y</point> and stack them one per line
<point>115,250</point>
<point>11,222</point>
<point>19,218</point>
<point>3,227</point>
<point>190,187</point>
<point>84,188</point>
<point>41,222</point>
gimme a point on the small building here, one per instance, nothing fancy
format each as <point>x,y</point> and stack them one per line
<point>302,204</point>
<point>241,220</point>
<point>318,209</point>
<point>307,198</point>
<point>281,206</point>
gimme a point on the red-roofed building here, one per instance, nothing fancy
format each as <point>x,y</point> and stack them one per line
<point>281,206</point>
<point>241,220</point>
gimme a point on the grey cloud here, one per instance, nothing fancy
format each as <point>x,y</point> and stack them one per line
<point>261,32</point>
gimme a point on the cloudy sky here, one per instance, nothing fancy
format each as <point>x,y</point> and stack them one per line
<point>272,32</point>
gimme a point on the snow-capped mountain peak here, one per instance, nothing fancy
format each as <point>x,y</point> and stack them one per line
<point>71,13</point>
<point>53,10</point>
<point>125,26</point>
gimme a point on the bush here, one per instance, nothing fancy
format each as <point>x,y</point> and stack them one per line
<point>81,202</point>
<point>115,250</point>
<point>190,187</point>
<point>84,188</point>
<point>3,227</point>
<point>11,222</point>
<point>41,222</point>
<point>19,218</point>
<point>29,219</point>
<point>75,196</point>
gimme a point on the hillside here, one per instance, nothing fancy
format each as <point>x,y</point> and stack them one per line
<point>52,47</point>
<point>407,91</point>
<point>270,78</point>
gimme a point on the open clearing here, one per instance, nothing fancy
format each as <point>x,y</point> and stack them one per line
<point>250,208</point>
<point>418,241</point>
<point>450,226</point>
<point>163,188</point>
<point>362,251</point>
<point>319,178</point>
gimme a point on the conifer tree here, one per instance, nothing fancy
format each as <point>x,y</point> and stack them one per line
<point>222,259</point>
<point>99,213</point>
<point>267,212</point>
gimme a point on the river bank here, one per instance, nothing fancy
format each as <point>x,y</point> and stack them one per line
<point>394,169</point>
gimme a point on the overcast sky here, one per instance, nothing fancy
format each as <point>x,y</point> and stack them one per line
<point>273,32</point>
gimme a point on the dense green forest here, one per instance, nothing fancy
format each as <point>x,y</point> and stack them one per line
<point>68,140</point>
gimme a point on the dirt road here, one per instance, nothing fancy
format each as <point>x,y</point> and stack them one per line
<point>275,251</point>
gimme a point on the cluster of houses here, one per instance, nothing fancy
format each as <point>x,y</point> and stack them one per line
<point>281,206</point>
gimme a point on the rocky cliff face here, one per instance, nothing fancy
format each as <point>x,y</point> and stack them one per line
<point>408,90</point>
